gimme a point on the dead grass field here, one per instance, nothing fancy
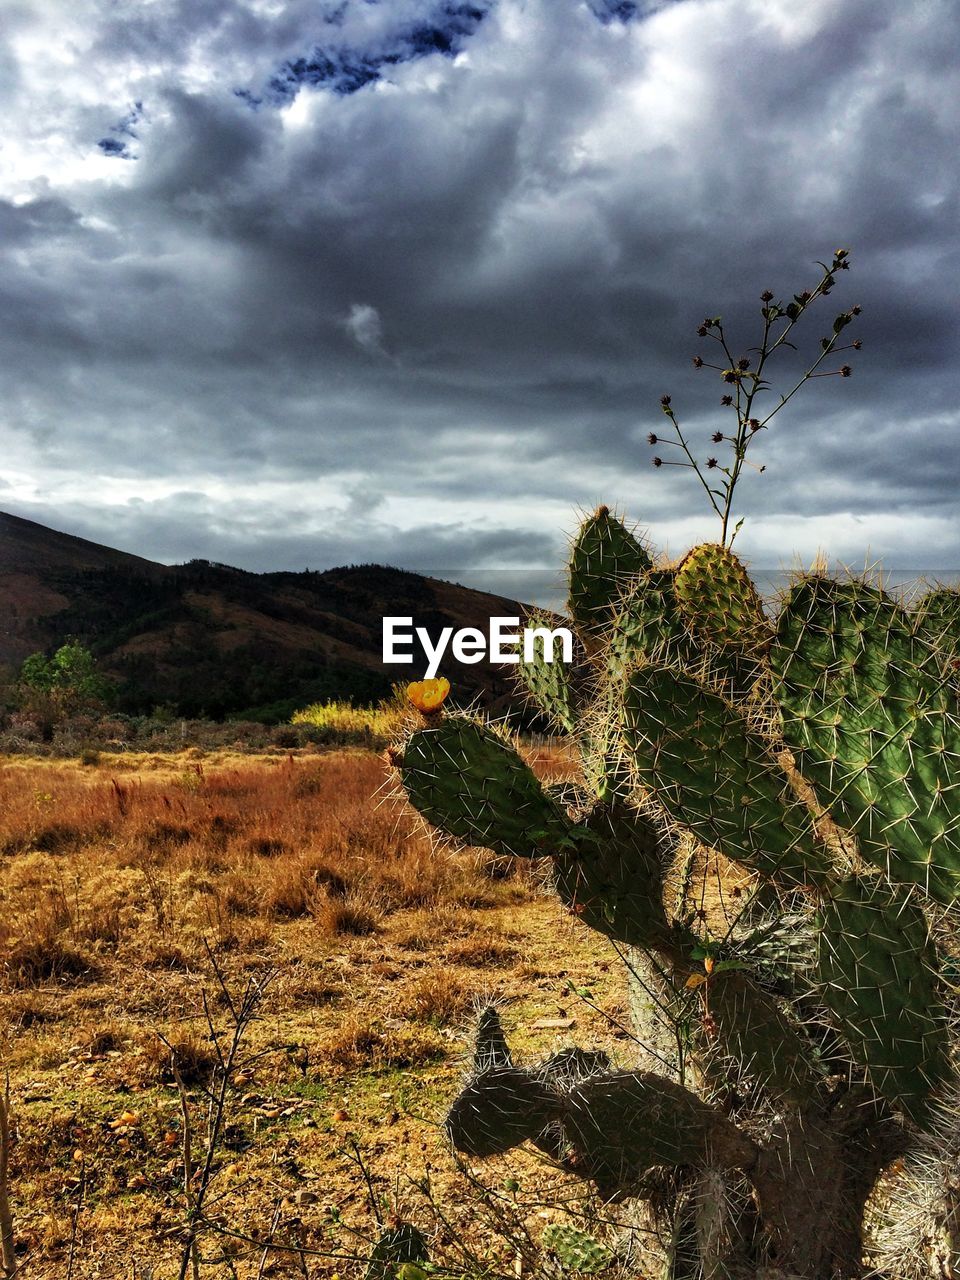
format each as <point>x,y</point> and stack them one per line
<point>115,881</point>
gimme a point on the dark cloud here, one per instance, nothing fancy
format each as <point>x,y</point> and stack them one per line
<point>418,300</point>
<point>190,523</point>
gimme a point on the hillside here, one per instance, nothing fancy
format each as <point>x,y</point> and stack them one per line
<point>205,638</point>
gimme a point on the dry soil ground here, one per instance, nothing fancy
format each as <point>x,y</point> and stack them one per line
<point>125,884</point>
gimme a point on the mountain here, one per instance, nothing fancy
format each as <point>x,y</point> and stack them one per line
<point>205,638</point>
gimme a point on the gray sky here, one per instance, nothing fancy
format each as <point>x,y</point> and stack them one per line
<point>292,284</point>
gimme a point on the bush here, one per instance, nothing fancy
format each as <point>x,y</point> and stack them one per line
<point>367,726</point>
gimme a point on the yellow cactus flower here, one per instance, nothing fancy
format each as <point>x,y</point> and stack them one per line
<point>428,695</point>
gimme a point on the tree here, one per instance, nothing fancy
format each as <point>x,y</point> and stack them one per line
<point>63,685</point>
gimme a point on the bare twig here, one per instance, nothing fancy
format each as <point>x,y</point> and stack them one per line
<point>267,1247</point>
<point>75,1220</point>
<point>197,1179</point>
<point>191,1254</point>
<point>7,1251</point>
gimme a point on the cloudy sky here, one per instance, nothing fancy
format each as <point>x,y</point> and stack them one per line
<point>293,283</point>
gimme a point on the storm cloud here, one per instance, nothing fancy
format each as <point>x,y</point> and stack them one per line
<point>296,284</point>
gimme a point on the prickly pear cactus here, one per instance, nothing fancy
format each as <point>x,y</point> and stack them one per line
<point>719,601</point>
<point>877,969</point>
<point>936,618</point>
<point>549,683</point>
<point>474,787</point>
<point>576,1250</point>
<point>400,1248</point>
<point>605,560</point>
<point>820,752</point>
<point>870,709</point>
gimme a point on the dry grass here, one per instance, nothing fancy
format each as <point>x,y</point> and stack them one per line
<point>113,885</point>
<point>437,997</point>
<point>98,865</point>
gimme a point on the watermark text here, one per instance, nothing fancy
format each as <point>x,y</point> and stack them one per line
<point>504,641</point>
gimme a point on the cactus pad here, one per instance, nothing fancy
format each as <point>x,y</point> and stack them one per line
<point>649,625</point>
<point>613,882</point>
<point>718,600</point>
<point>567,1067</point>
<point>750,1027</point>
<point>498,1110</point>
<point>473,786</point>
<point>575,1250</point>
<point>549,683</point>
<point>878,971</point>
<point>936,618</point>
<point>399,1244</point>
<point>713,774</point>
<point>605,559</point>
<point>491,1048</point>
<point>623,1124</point>
<point>872,714</point>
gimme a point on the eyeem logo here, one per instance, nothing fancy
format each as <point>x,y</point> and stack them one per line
<point>502,643</point>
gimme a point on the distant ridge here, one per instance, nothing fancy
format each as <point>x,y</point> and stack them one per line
<point>203,638</point>
<point>26,546</point>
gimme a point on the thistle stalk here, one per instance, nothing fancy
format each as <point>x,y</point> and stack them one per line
<point>779,321</point>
